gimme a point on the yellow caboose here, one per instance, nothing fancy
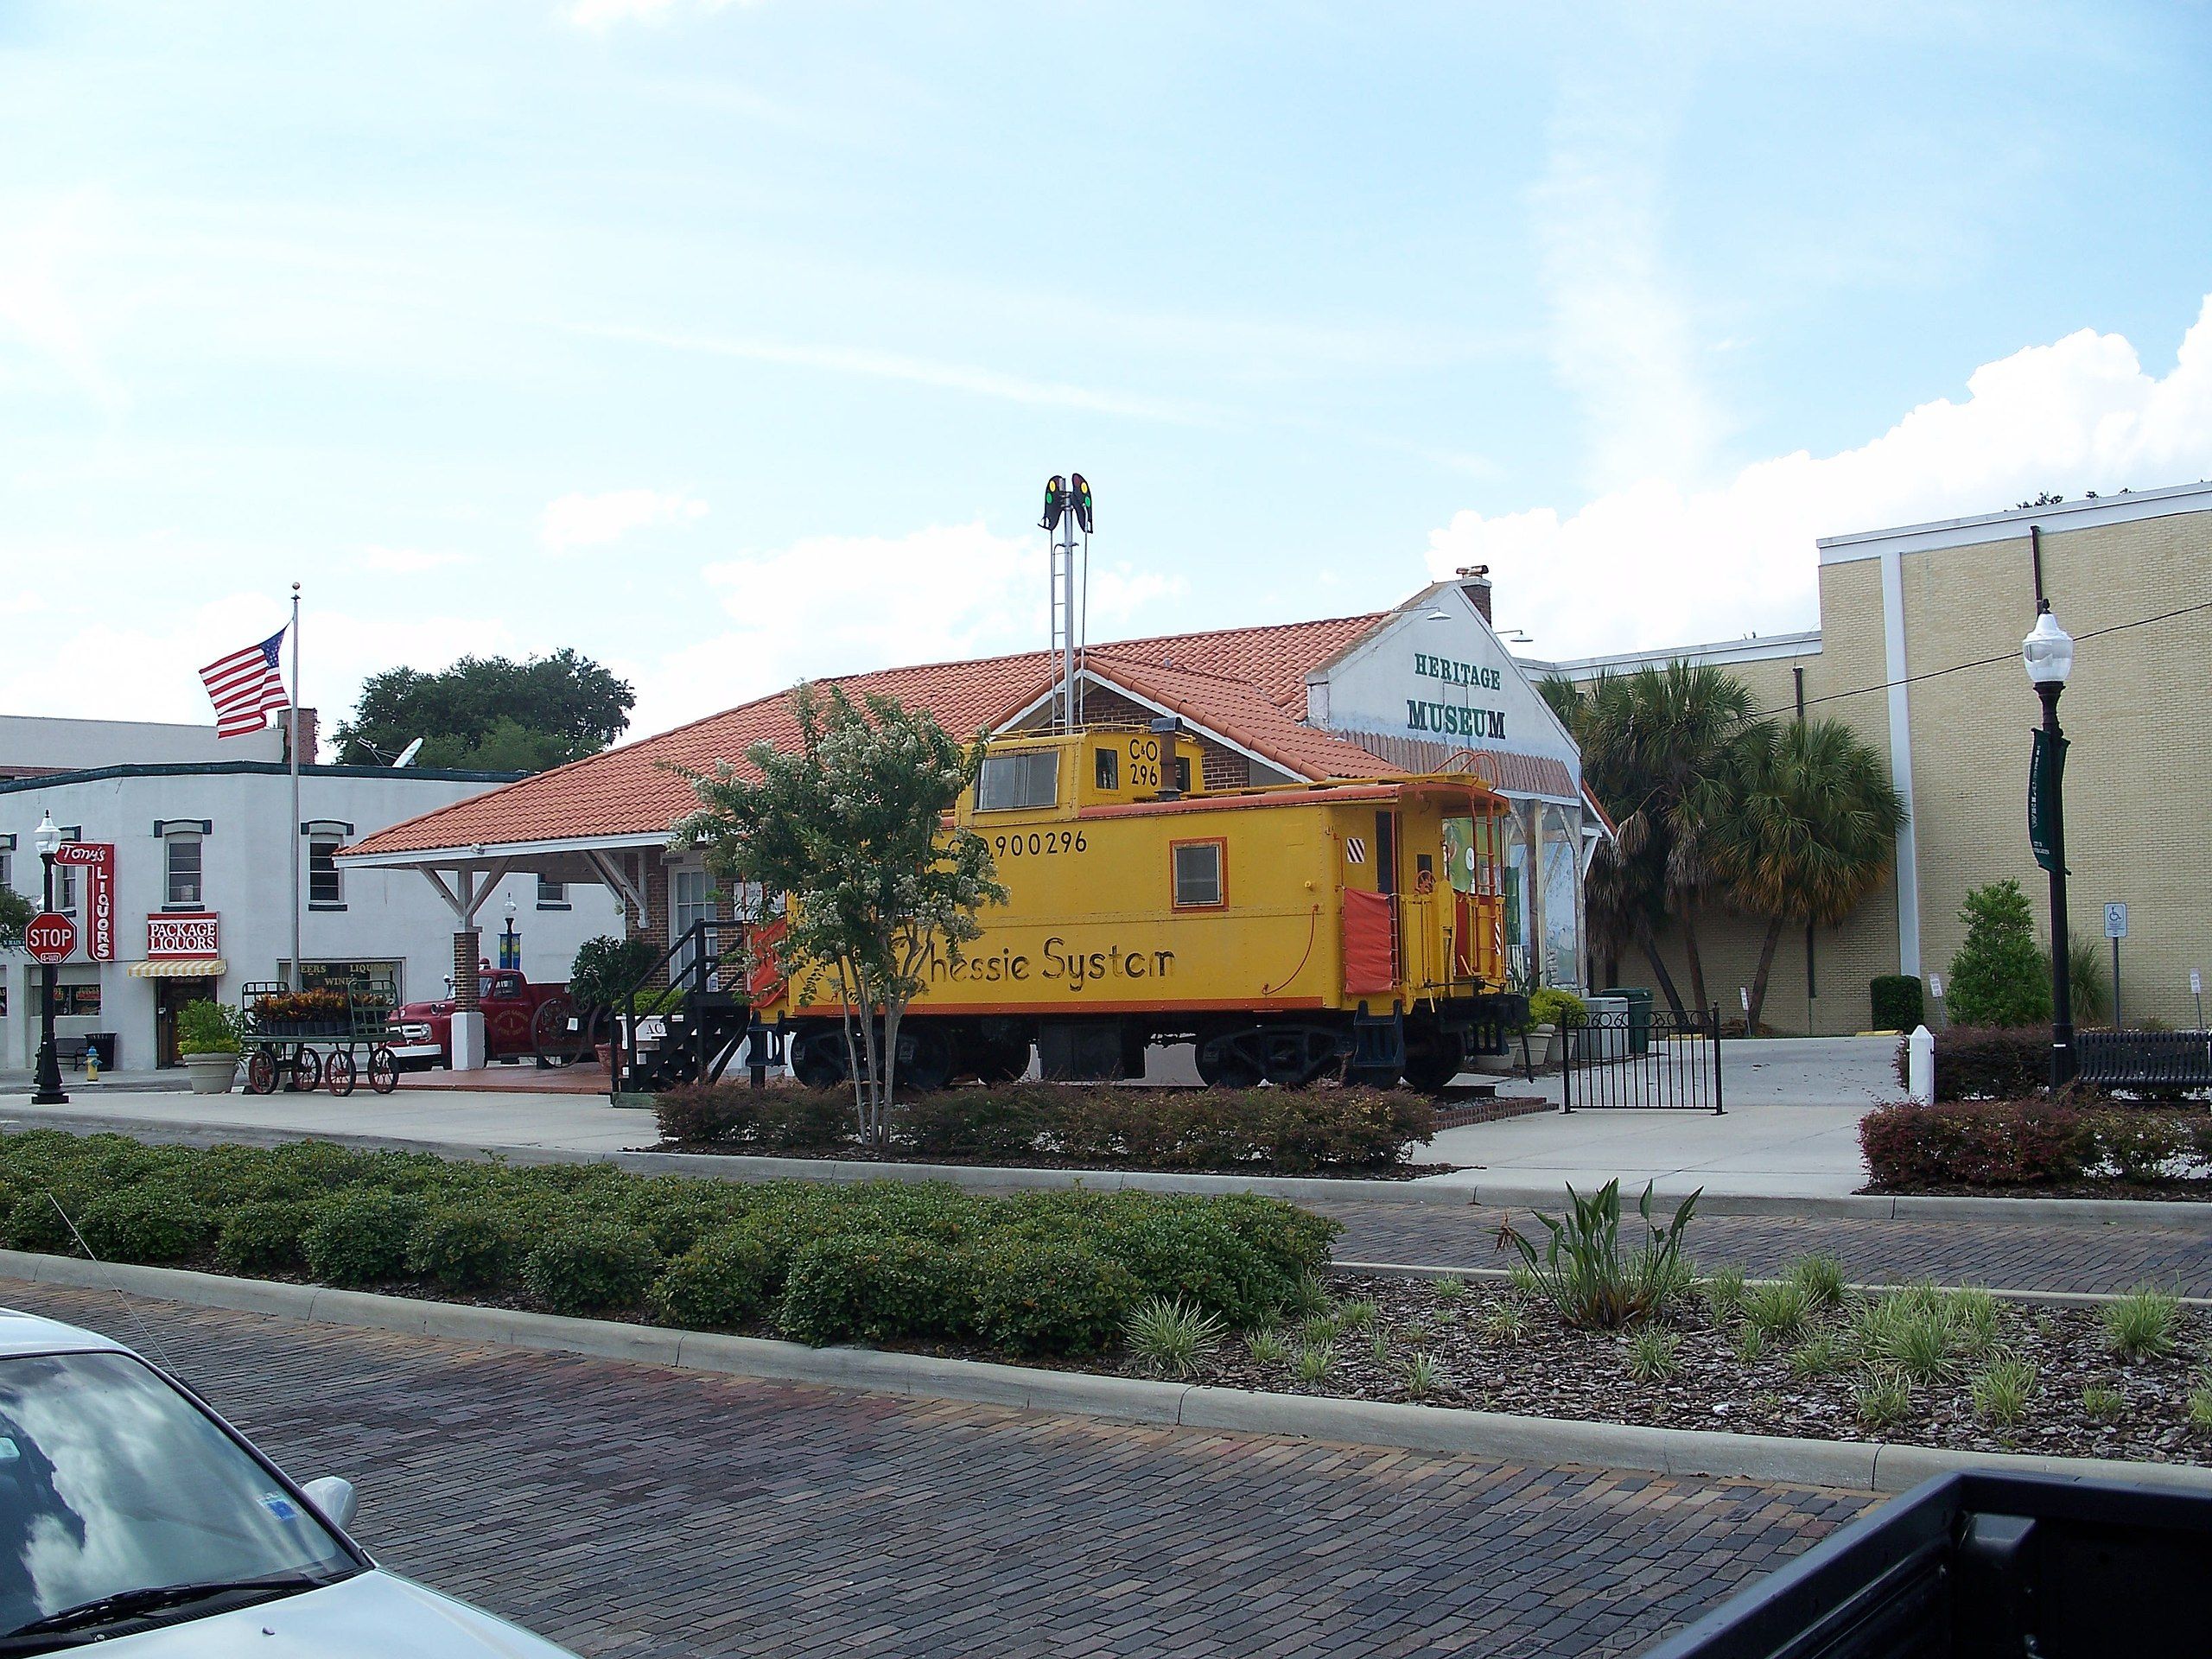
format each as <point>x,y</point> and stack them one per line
<point>1351,927</point>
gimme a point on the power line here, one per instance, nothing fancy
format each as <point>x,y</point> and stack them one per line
<point>1983,661</point>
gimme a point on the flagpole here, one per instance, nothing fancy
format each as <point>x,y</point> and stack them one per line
<point>292,831</point>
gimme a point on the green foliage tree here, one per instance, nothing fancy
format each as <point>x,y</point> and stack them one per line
<point>15,913</point>
<point>606,967</point>
<point>490,714</point>
<point>2000,975</point>
<point>1802,826</point>
<point>1651,741</point>
<point>846,829</point>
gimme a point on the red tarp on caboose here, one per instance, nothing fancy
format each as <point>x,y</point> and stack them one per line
<point>1371,956</point>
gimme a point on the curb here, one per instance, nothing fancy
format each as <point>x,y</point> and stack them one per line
<point>2180,1216</point>
<point>1857,1465</point>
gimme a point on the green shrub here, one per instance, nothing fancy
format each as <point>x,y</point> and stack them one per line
<point>1314,1361</point>
<point>1898,1001</point>
<point>1654,1354</point>
<point>2141,1325</point>
<point>360,1238</point>
<point>144,1225</point>
<point>466,1246</point>
<point>2001,1389</point>
<point>877,1288</point>
<point>1821,1278</point>
<point>605,968</point>
<point>1550,1005</point>
<point>208,1027</point>
<point>1037,1298</point>
<point>592,1266</point>
<point>1585,1277</point>
<point>2025,1143</point>
<point>720,1284</point>
<point>1999,977</point>
<point>1779,1309</point>
<point>1003,1122</point>
<point>264,1236</point>
<point>1884,1399</point>
<point>1175,1248</point>
<point>35,1223</point>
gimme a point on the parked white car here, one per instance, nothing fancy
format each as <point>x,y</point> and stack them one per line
<point>133,1518</point>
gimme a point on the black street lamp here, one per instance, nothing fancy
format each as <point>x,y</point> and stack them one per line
<point>2049,653</point>
<point>47,840</point>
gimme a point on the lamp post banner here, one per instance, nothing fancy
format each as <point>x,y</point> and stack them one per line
<point>2046,771</point>
<point>97,858</point>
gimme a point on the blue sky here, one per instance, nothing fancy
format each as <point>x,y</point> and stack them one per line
<point>732,343</point>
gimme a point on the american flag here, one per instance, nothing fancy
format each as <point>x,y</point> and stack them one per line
<point>245,685</point>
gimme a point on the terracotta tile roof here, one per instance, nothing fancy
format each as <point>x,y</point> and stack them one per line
<point>1248,684</point>
<point>1521,774</point>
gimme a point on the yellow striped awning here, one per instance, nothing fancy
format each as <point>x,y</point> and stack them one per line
<point>180,968</point>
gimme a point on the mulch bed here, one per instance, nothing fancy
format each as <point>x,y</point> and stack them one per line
<point>2164,1191</point>
<point>903,1156</point>
<point>1551,1371</point>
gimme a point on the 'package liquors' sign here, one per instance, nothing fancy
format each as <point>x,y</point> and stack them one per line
<point>183,934</point>
<point>97,860</point>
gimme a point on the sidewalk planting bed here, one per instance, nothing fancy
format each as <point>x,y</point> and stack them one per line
<point>2040,1148</point>
<point>1366,1132</point>
<point>1231,1290</point>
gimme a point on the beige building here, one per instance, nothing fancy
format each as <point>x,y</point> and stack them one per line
<point>1919,649</point>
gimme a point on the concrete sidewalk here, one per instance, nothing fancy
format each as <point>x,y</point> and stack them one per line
<point>1790,1130</point>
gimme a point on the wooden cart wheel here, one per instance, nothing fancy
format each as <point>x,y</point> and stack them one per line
<point>556,1033</point>
<point>307,1069</point>
<point>261,1072</point>
<point>339,1071</point>
<point>383,1070</point>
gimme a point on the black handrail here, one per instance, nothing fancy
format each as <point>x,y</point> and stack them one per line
<point>700,968</point>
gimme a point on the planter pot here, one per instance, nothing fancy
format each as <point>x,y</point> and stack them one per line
<point>1542,1041</point>
<point>212,1074</point>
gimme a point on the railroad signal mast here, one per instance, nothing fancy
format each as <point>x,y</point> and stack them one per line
<point>1067,510</point>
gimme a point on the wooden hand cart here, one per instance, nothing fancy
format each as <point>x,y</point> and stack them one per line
<point>337,1049</point>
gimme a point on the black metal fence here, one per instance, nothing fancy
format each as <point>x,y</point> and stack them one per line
<point>1642,1060</point>
<point>2143,1059</point>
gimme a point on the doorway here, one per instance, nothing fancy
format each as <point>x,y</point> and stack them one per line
<point>170,997</point>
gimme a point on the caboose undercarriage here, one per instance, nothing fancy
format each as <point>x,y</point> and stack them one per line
<point>1425,1047</point>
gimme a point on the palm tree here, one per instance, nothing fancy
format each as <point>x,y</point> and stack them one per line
<point>1624,897</point>
<point>1801,824</point>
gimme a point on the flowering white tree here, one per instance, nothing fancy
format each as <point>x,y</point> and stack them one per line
<point>849,830</point>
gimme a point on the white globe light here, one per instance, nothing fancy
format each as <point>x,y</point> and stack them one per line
<point>46,838</point>
<point>2047,651</point>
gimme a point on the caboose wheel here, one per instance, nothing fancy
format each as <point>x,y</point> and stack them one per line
<point>1230,1061</point>
<point>927,1065</point>
<point>819,1059</point>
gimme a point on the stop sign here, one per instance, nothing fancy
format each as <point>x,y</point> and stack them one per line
<point>50,937</point>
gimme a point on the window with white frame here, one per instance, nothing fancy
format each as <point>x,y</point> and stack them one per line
<point>326,881</point>
<point>65,876</point>
<point>181,856</point>
<point>687,905</point>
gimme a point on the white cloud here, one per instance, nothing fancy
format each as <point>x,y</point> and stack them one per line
<point>600,14</point>
<point>1662,563</point>
<point>1621,335</point>
<point>407,560</point>
<point>927,372</point>
<point>841,604</point>
<point>576,521</point>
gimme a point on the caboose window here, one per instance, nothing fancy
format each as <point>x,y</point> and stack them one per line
<point>1109,767</point>
<point>1182,774</point>
<point>1010,782</point>
<point>1198,875</point>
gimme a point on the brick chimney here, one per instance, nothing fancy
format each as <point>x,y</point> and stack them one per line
<point>1474,583</point>
<point>308,735</point>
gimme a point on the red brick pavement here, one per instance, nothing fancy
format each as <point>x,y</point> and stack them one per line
<point>2007,1256</point>
<point>630,1510</point>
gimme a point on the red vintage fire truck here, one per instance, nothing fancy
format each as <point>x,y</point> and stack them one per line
<point>520,1020</point>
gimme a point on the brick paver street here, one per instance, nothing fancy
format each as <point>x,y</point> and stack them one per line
<point>2006,1256</point>
<point>627,1509</point>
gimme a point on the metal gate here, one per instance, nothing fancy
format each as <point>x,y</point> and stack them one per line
<point>1642,1060</point>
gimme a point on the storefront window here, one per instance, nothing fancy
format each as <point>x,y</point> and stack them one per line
<point>72,1001</point>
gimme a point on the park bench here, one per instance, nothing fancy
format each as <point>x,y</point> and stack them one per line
<point>2159,1061</point>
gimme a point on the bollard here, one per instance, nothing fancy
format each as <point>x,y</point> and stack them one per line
<point>1920,1065</point>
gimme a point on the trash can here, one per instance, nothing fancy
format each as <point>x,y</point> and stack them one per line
<point>1639,1015</point>
<point>1607,1035</point>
